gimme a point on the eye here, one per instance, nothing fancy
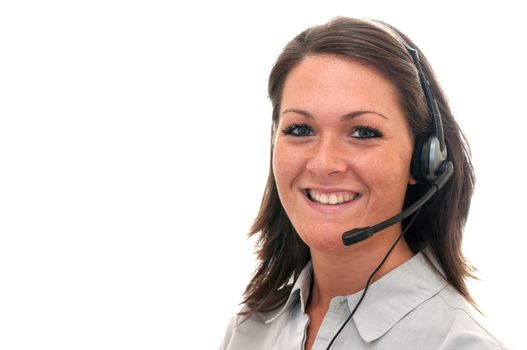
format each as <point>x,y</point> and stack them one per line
<point>300,130</point>
<point>366,132</point>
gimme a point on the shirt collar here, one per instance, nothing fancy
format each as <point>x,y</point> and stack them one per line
<point>388,299</point>
<point>300,290</point>
<point>395,295</point>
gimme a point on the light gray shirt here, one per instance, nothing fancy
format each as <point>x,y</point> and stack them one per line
<point>411,307</point>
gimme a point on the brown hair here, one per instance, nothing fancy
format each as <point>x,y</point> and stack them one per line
<point>282,254</point>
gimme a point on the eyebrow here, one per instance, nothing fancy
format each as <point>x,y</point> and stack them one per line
<point>346,116</point>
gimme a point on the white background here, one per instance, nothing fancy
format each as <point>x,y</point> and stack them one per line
<point>134,142</point>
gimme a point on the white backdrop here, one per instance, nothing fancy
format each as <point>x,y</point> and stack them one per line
<point>134,141</point>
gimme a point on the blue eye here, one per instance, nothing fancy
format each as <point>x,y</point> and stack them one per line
<point>300,130</point>
<point>365,132</point>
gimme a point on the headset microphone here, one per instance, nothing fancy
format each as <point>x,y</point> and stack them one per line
<point>359,234</point>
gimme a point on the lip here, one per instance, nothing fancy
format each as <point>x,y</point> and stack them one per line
<point>330,208</point>
<point>328,190</point>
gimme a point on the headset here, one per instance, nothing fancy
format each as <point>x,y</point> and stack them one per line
<point>429,164</point>
<point>430,153</point>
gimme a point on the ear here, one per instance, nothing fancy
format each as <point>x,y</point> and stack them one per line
<point>411,180</point>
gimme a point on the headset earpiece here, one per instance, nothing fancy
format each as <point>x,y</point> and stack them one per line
<point>427,159</point>
<point>417,163</point>
<point>430,153</point>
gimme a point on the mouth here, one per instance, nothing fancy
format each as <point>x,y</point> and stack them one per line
<point>331,198</point>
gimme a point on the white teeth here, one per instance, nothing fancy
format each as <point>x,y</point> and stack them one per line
<point>331,198</point>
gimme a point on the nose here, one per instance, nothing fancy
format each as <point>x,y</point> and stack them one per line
<point>328,157</point>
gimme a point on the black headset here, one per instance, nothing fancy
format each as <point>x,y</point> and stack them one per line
<point>430,153</point>
<point>429,164</point>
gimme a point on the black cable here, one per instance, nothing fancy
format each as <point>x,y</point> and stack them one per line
<point>370,279</point>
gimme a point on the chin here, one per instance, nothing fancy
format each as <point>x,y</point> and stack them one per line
<point>323,240</point>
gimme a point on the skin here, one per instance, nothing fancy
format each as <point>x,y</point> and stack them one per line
<point>341,131</point>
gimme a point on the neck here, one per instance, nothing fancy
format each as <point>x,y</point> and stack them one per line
<point>347,270</point>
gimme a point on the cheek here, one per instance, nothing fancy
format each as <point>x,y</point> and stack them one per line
<point>286,166</point>
<point>387,176</point>
<point>278,167</point>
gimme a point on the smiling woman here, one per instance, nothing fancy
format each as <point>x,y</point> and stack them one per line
<point>357,138</point>
<point>359,145</point>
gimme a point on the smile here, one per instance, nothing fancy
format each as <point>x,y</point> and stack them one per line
<point>333,198</point>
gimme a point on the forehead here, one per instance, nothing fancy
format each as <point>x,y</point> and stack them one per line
<point>334,84</point>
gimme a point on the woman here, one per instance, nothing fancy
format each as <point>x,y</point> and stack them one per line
<point>352,109</point>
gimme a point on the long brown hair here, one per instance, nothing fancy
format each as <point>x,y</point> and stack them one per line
<point>281,253</point>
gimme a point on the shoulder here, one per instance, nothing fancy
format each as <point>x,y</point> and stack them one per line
<point>243,330</point>
<point>229,332</point>
<point>272,329</point>
<point>461,326</point>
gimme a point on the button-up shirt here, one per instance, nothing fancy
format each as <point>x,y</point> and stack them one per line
<point>411,307</point>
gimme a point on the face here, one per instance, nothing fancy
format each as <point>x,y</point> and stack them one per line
<point>342,149</point>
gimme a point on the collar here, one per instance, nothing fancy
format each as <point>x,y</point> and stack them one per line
<point>388,299</point>
<point>300,290</point>
<point>395,295</point>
